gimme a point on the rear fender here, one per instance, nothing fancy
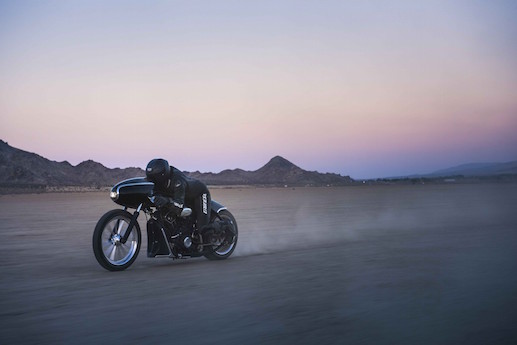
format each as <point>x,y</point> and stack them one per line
<point>216,207</point>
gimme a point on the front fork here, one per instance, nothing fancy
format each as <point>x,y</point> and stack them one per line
<point>131,224</point>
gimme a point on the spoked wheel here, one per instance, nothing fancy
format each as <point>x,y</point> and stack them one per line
<point>109,250</point>
<point>226,244</point>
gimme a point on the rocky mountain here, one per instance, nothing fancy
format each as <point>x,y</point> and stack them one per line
<point>277,172</point>
<point>25,170</point>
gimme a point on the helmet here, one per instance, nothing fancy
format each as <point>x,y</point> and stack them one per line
<point>158,171</point>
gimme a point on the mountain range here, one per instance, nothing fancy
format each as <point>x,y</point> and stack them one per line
<point>22,169</point>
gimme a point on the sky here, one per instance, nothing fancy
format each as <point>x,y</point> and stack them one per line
<point>361,88</point>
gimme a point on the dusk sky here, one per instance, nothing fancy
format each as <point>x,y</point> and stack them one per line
<point>361,88</point>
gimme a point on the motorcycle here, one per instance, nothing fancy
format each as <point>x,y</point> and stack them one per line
<point>117,237</point>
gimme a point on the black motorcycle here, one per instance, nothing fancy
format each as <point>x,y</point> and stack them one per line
<point>117,237</point>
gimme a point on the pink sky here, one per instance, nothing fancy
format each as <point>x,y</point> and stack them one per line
<point>361,89</point>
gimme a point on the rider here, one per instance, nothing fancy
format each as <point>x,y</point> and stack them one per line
<point>175,190</point>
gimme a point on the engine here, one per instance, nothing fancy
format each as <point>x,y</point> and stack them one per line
<point>180,233</point>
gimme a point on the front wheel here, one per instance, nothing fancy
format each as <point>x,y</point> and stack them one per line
<point>108,248</point>
<point>226,245</point>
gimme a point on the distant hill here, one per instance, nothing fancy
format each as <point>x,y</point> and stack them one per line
<point>478,169</point>
<point>467,173</point>
<point>24,170</point>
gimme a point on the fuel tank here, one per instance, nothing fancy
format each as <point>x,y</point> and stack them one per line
<point>131,193</point>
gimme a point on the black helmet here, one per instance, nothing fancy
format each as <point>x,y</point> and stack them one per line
<point>158,171</point>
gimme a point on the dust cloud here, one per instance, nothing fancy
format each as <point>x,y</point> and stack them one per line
<point>274,220</point>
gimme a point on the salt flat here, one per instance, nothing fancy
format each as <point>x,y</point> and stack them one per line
<point>361,265</point>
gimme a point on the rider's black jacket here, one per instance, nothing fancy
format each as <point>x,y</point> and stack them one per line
<point>175,189</point>
<point>182,191</point>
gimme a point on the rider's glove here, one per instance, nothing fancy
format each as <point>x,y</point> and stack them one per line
<point>161,201</point>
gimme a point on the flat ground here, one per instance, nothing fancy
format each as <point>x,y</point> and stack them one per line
<point>357,265</point>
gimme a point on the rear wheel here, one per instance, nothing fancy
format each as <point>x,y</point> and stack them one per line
<point>226,244</point>
<point>108,248</point>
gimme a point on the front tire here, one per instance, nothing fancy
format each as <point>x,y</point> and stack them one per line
<point>224,251</point>
<point>109,251</point>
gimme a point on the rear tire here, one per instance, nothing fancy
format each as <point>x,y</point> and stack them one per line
<point>225,251</point>
<point>112,254</point>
